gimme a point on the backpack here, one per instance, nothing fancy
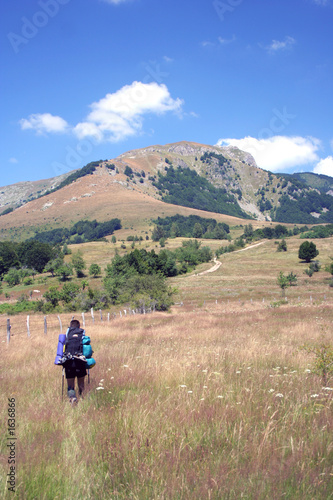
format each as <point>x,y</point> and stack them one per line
<point>73,343</point>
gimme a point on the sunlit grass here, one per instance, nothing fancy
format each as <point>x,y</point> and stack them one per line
<point>212,403</point>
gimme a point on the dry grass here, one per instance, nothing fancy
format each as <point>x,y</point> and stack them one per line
<point>212,400</point>
<point>212,403</point>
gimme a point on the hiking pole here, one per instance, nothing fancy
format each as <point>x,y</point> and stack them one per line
<point>88,376</point>
<point>62,385</point>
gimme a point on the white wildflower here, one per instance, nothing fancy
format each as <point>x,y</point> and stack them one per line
<point>238,371</point>
<point>271,390</point>
<point>99,388</point>
<point>279,395</point>
<point>189,392</point>
<point>182,385</point>
<point>220,397</point>
<point>314,396</point>
<point>307,370</point>
<point>327,388</point>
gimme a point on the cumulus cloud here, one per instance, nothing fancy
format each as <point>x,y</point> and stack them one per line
<point>114,117</point>
<point>277,45</point>
<point>278,153</point>
<point>44,123</point>
<point>119,115</point>
<point>325,166</point>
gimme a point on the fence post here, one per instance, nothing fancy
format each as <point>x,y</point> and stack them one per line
<point>8,330</point>
<point>28,326</point>
<point>100,312</point>
<point>45,325</point>
<point>92,314</point>
<point>83,321</point>
<point>108,317</point>
<point>60,323</point>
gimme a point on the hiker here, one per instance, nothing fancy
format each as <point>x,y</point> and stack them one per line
<point>76,366</point>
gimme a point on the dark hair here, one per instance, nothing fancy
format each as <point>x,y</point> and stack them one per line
<point>74,323</point>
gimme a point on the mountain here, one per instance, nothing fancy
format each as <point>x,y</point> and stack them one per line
<point>184,177</point>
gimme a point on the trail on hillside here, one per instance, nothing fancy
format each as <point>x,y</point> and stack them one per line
<point>218,263</point>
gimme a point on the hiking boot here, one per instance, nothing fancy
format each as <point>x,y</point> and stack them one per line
<point>71,394</point>
<point>73,401</point>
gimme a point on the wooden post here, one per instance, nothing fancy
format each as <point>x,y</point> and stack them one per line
<point>28,326</point>
<point>45,325</point>
<point>92,314</point>
<point>83,321</point>
<point>8,330</point>
<point>108,317</point>
<point>60,323</point>
<point>101,314</point>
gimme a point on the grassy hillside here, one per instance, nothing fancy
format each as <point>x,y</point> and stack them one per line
<point>213,400</point>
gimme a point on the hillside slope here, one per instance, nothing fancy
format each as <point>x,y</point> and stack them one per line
<point>145,183</point>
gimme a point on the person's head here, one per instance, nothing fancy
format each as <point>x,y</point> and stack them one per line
<point>74,323</point>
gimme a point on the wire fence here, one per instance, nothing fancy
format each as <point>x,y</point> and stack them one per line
<point>27,325</point>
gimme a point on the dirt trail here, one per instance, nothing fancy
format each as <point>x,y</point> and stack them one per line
<point>218,263</point>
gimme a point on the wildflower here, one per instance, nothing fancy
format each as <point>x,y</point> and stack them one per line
<point>204,371</point>
<point>307,370</point>
<point>205,387</point>
<point>102,380</point>
<point>202,399</point>
<point>279,395</point>
<point>112,378</point>
<point>182,385</point>
<point>109,369</point>
<point>238,371</point>
<point>314,396</point>
<point>271,390</point>
<point>220,397</point>
<point>327,388</point>
<point>125,366</point>
<point>99,388</point>
<point>189,392</point>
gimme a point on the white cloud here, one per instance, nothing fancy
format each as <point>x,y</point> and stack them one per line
<point>13,160</point>
<point>44,123</point>
<point>285,44</point>
<point>120,114</point>
<point>226,41</point>
<point>278,153</point>
<point>325,166</point>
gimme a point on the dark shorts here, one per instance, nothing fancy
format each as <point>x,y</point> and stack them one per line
<point>75,368</point>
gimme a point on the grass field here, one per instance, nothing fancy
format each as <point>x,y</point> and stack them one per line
<point>214,400</point>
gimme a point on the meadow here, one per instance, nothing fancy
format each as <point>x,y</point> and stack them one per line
<point>215,399</point>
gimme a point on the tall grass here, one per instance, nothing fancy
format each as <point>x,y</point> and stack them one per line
<point>214,403</point>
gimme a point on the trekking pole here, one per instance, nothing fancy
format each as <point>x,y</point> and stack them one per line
<point>62,385</point>
<point>88,376</point>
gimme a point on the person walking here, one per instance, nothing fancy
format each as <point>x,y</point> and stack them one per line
<point>75,367</point>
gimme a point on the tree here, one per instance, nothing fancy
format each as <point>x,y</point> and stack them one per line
<point>197,230</point>
<point>283,282</point>
<point>113,239</point>
<point>78,264</point>
<point>64,271</point>
<point>292,278</point>
<point>12,277</point>
<point>53,265</point>
<point>282,246</point>
<point>94,270</point>
<point>307,251</point>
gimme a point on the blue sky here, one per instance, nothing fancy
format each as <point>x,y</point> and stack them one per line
<point>84,80</point>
